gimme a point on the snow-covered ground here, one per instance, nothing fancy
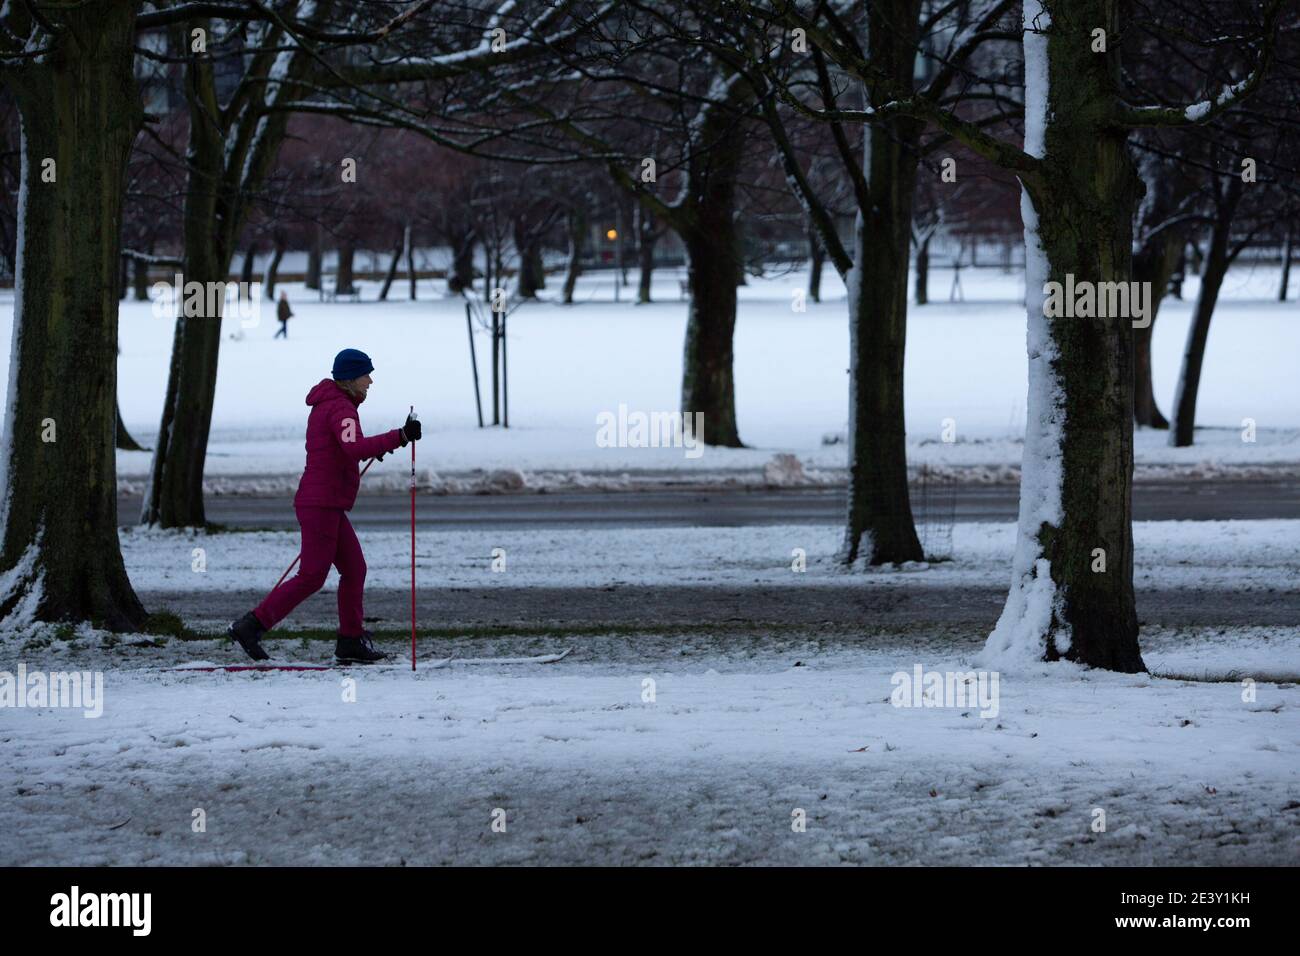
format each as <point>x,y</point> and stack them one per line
<point>702,746</point>
<point>1224,555</point>
<point>658,750</point>
<point>965,361</point>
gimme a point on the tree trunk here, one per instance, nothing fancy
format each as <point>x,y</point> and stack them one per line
<point>526,249</point>
<point>227,162</point>
<point>741,277</point>
<point>140,279</point>
<point>923,270</point>
<point>645,253</point>
<point>709,234</point>
<point>174,496</point>
<point>496,365</point>
<point>707,382</point>
<point>577,227</point>
<point>536,264</point>
<point>1286,266</point>
<point>410,262</point>
<point>620,242</point>
<point>59,519</point>
<point>343,279</point>
<point>392,268</point>
<point>462,262</point>
<point>250,258</point>
<point>314,256</point>
<point>1216,265</point>
<point>816,262</point>
<point>1153,263</point>
<point>1076,483</point>
<point>272,274</point>
<point>879,520</point>
<point>122,437</point>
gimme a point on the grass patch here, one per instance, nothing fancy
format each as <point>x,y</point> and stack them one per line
<point>165,624</point>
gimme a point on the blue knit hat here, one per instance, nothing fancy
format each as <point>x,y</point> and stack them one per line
<point>350,364</point>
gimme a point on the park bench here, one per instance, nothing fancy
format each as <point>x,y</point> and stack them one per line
<point>329,291</point>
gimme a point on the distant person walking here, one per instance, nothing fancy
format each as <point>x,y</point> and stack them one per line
<point>283,313</point>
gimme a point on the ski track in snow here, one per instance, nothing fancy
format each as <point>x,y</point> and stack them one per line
<point>737,738</point>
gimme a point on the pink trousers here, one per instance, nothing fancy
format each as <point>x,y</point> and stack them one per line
<point>327,538</point>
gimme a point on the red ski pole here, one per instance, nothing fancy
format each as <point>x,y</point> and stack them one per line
<point>299,557</point>
<point>412,548</point>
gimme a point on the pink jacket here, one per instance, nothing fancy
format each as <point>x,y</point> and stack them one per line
<point>335,446</point>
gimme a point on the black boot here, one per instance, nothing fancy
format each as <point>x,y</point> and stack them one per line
<point>248,631</point>
<point>357,650</point>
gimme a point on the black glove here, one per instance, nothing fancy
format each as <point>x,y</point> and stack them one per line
<point>411,430</point>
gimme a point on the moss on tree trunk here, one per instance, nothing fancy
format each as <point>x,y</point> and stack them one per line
<point>80,109</point>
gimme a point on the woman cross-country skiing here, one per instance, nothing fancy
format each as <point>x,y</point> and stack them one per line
<point>327,491</point>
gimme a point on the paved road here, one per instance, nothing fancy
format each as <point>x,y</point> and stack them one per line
<point>853,604</point>
<point>1154,501</point>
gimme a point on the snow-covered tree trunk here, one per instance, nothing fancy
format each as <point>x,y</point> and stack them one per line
<point>1071,594</point>
<point>80,112</point>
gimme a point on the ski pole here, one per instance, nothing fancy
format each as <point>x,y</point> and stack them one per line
<point>299,557</point>
<point>413,548</point>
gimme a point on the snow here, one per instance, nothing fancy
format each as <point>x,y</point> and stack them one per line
<point>26,579</point>
<point>1033,611</point>
<point>1227,555</point>
<point>1198,111</point>
<point>737,736</point>
<point>570,364</point>
<point>15,339</point>
<point>1037,21</point>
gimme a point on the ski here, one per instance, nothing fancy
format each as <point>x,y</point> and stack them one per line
<point>541,659</point>
<point>200,667</point>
